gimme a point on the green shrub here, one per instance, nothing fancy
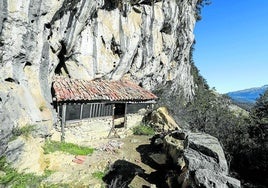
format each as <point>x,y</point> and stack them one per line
<point>52,146</point>
<point>98,174</point>
<point>22,131</point>
<point>42,107</point>
<point>143,130</point>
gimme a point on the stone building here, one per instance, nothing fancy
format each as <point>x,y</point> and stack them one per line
<point>108,104</point>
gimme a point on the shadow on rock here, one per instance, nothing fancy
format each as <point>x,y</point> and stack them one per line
<point>121,173</point>
<point>165,173</point>
<point>145,151</point>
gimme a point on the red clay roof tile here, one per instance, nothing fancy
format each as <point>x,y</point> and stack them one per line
<point>67,89</point>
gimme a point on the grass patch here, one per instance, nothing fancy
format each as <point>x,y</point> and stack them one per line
<point>52,146</point>
<point>11,178</point>
<point>22,131</point>
<point>60,185</point>
<point>143,130</point>
<point>98,175</point>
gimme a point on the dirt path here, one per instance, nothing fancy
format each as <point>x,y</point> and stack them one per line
<point>80,175</point>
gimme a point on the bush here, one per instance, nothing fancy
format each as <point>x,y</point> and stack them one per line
<point>98,175</point>
<point>13,179</point>
<point>22,131</point>
<point>42,107</point>
<point>143,130</point>
<point>52,146</point>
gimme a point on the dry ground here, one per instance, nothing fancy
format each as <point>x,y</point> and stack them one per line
<point>80,175</point>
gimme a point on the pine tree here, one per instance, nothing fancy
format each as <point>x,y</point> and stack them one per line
<point>259,133</point>
<point>259,116</point>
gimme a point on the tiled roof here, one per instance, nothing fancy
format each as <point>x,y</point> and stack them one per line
<point>67,89</point>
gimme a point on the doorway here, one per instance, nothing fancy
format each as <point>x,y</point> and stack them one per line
<point>119,115</point>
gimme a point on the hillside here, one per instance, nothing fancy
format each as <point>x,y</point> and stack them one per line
<point>246,98</point>
<point>247,95</point>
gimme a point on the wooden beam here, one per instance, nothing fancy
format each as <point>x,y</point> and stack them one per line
<point>99,110</point>
<point>102,109</point>
<point>125,116</point>
<point>63,122</point>
<point>90,111</point>
<point>113,127</point>
<point>110,110</point>
<point>105,109</point>
<point>81,111</point>
<point>93,110</point>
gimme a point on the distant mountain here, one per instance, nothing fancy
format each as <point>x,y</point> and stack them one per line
<point>247,96</point>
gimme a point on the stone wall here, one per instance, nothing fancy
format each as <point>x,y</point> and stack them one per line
<point>86,131</point>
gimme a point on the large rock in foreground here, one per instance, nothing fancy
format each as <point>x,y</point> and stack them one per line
<point>201,160</point>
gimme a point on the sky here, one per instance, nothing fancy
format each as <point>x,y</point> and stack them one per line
<point>231,49</point>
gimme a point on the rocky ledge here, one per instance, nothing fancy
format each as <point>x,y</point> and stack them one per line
<point>199,159</point>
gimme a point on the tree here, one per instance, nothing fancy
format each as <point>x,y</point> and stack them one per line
<point>200,4</point>
<point>244,138</point>
<point>259,116</point>
<point>259,133</point>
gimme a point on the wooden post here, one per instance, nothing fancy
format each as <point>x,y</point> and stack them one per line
<point>63,121</point>
<point>102,110</point>
<point>113,128</point>
<point>81,111</point>
<point>125,116</point>
<point>99,110</point>
<point>96,110</point>
<point>110,110</point>
<point>91,109</point>
<point>105,109</point>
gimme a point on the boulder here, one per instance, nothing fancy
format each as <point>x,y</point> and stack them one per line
<point>14,150</point>
<point>42,131</point>
<point>201,159</point>
<point>209,178</point>
<point>174,148</point>
<point>205,152</point>
<point>162,121</point>
<point>159,158</point>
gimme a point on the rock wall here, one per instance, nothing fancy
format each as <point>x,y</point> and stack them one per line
<point>146,41</point>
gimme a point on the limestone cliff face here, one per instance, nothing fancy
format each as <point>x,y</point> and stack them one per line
<point>145,41</point>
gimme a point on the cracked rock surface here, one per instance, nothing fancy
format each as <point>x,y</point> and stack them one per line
<point>201,159</point>
<point>145,41</point>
